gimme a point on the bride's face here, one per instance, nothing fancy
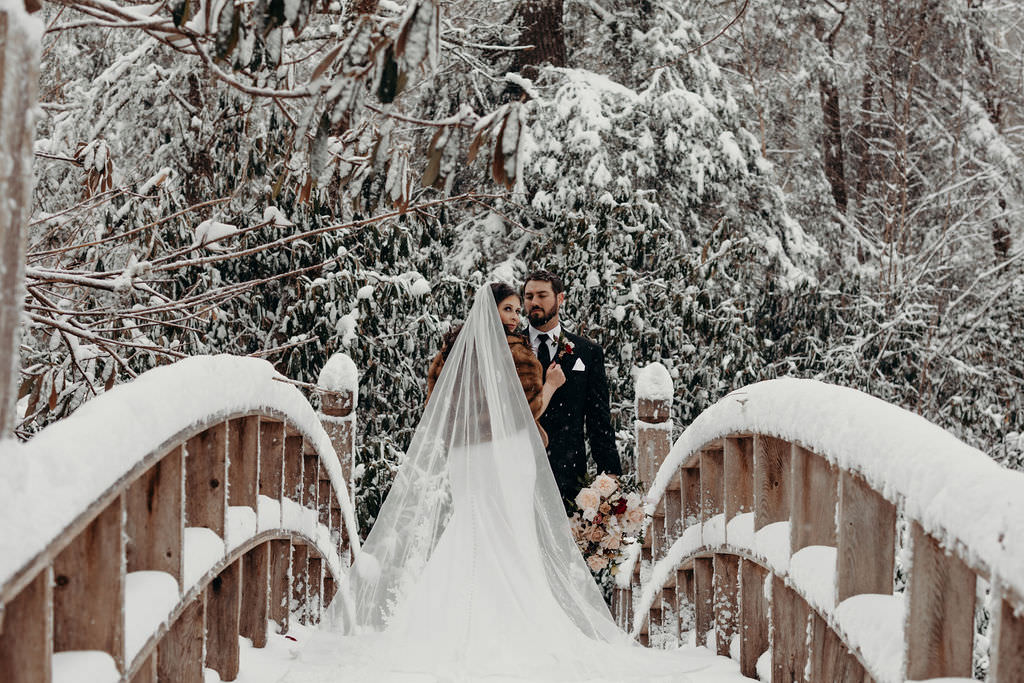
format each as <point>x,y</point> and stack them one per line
<point>510,310</point>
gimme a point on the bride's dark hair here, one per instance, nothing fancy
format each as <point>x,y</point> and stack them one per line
<point>500,291</point>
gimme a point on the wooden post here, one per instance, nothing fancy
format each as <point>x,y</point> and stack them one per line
<point>653,420</point>
<point>19,79</point>
<point>753,616</point>
<point>703,596</point>
<point>223,603</point>
<point>26,632</point>
<point>340,381</point>
<point>244,461</point>
<point>789,633</point>
<point>815,492</point>
<point>726,586</point>
<point>255,594</point>
<point>88,594</point>
<point>300,582</point>
<point>771,481</point>
<point>180,652</point>
<point>940,615</point>
<point>310,477</point>
<point>1007,652</point>
<point>867,540</point>
<point>206,472</point>
<point>154,520</point>
<point>739,477</point>
<point>280,582</point>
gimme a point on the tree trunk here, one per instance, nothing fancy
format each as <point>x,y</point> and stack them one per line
<point>19,77</point>
<point>543,30</point>
<point>832,124</point>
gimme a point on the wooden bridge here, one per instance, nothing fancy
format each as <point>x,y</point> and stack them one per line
<point>808,531</point>
<point>779,515</point>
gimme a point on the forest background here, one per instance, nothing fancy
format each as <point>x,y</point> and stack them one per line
<point>739,190</point>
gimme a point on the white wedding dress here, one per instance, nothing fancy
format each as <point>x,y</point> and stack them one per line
<point>470,572</point>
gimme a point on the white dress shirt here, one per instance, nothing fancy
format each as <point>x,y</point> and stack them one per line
<point>553,335</point>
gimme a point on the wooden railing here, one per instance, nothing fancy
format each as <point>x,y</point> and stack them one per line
<point>239,517</point>
<point>780,539</point>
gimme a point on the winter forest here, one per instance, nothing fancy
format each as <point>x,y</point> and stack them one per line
<point>740,190</point>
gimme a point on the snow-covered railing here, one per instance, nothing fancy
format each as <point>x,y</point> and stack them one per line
<point>778,516</point>
<point>145,533</point>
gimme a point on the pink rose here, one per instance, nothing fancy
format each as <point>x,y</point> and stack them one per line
<point>605,485</point>
<point>597,563</point>
<point>595,533</point>
<point>635,516</point>
<point>588,499</point>
<point>611,541</point>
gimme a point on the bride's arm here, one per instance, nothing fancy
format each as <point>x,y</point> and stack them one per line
<point>555,379</point>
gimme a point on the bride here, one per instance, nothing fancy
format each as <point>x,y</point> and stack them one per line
<point>470,571</point>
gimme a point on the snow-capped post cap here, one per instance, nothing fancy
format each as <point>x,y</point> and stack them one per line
<point>653,387</point>
<point>339,379</point>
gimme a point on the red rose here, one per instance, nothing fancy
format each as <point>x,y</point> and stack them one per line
<point>568,348</point>
<point>598,518</point>
<point>619,506</point>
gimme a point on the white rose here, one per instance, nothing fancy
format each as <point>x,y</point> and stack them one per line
<point>605,485</point>
<point>588,499</point>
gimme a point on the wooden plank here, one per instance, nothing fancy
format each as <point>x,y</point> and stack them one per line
<point>255,594</point>
<point>771,480</point>
<point>1007,653</point>
<point>940,626</point>
<point>324,496</point>
<point>703,596</point>
<point>673,516</point>
<point>293,468</point>
<point>88,594</point>
<point>689,488</point>
<point>867,540</point>
<point>205,474</point>
<point>754,635</point>
<point>223,603</point>
<point>726,586</point>
<point>179,655</point>
<point>26,633</point>
<point>300,582</point>
<point>147,672</point>
<point>739,476</point>
<point>310,480</point>
<point>815,495</point>
<point>830,660</point>
<point>712,484</point>
<point>280,582</point>
<point>271,458</point>
<point>789,633</point>
<point>684,601</point>
<point>315,588</point>
<point>244,460</point>
<point>330,589</point>
<point>155,523</point>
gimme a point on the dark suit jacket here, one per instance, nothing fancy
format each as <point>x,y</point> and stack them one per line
<point>579,413</point>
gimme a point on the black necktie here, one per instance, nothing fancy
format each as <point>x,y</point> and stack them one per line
<point>543,354</point>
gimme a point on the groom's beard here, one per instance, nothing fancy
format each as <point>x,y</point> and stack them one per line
<point>540,317</point>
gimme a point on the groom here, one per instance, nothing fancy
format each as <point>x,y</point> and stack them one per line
<point>581,404</point>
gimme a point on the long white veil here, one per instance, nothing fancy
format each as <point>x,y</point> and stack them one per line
<point>477,408</point>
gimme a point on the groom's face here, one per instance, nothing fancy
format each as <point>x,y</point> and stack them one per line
<point>541,302</point>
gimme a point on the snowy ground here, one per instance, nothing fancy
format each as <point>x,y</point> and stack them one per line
<point>269,664</point>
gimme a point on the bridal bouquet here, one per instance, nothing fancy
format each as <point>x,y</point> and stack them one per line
<point>609,515</point>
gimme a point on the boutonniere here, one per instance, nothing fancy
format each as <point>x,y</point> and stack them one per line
<point>565,347</point>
